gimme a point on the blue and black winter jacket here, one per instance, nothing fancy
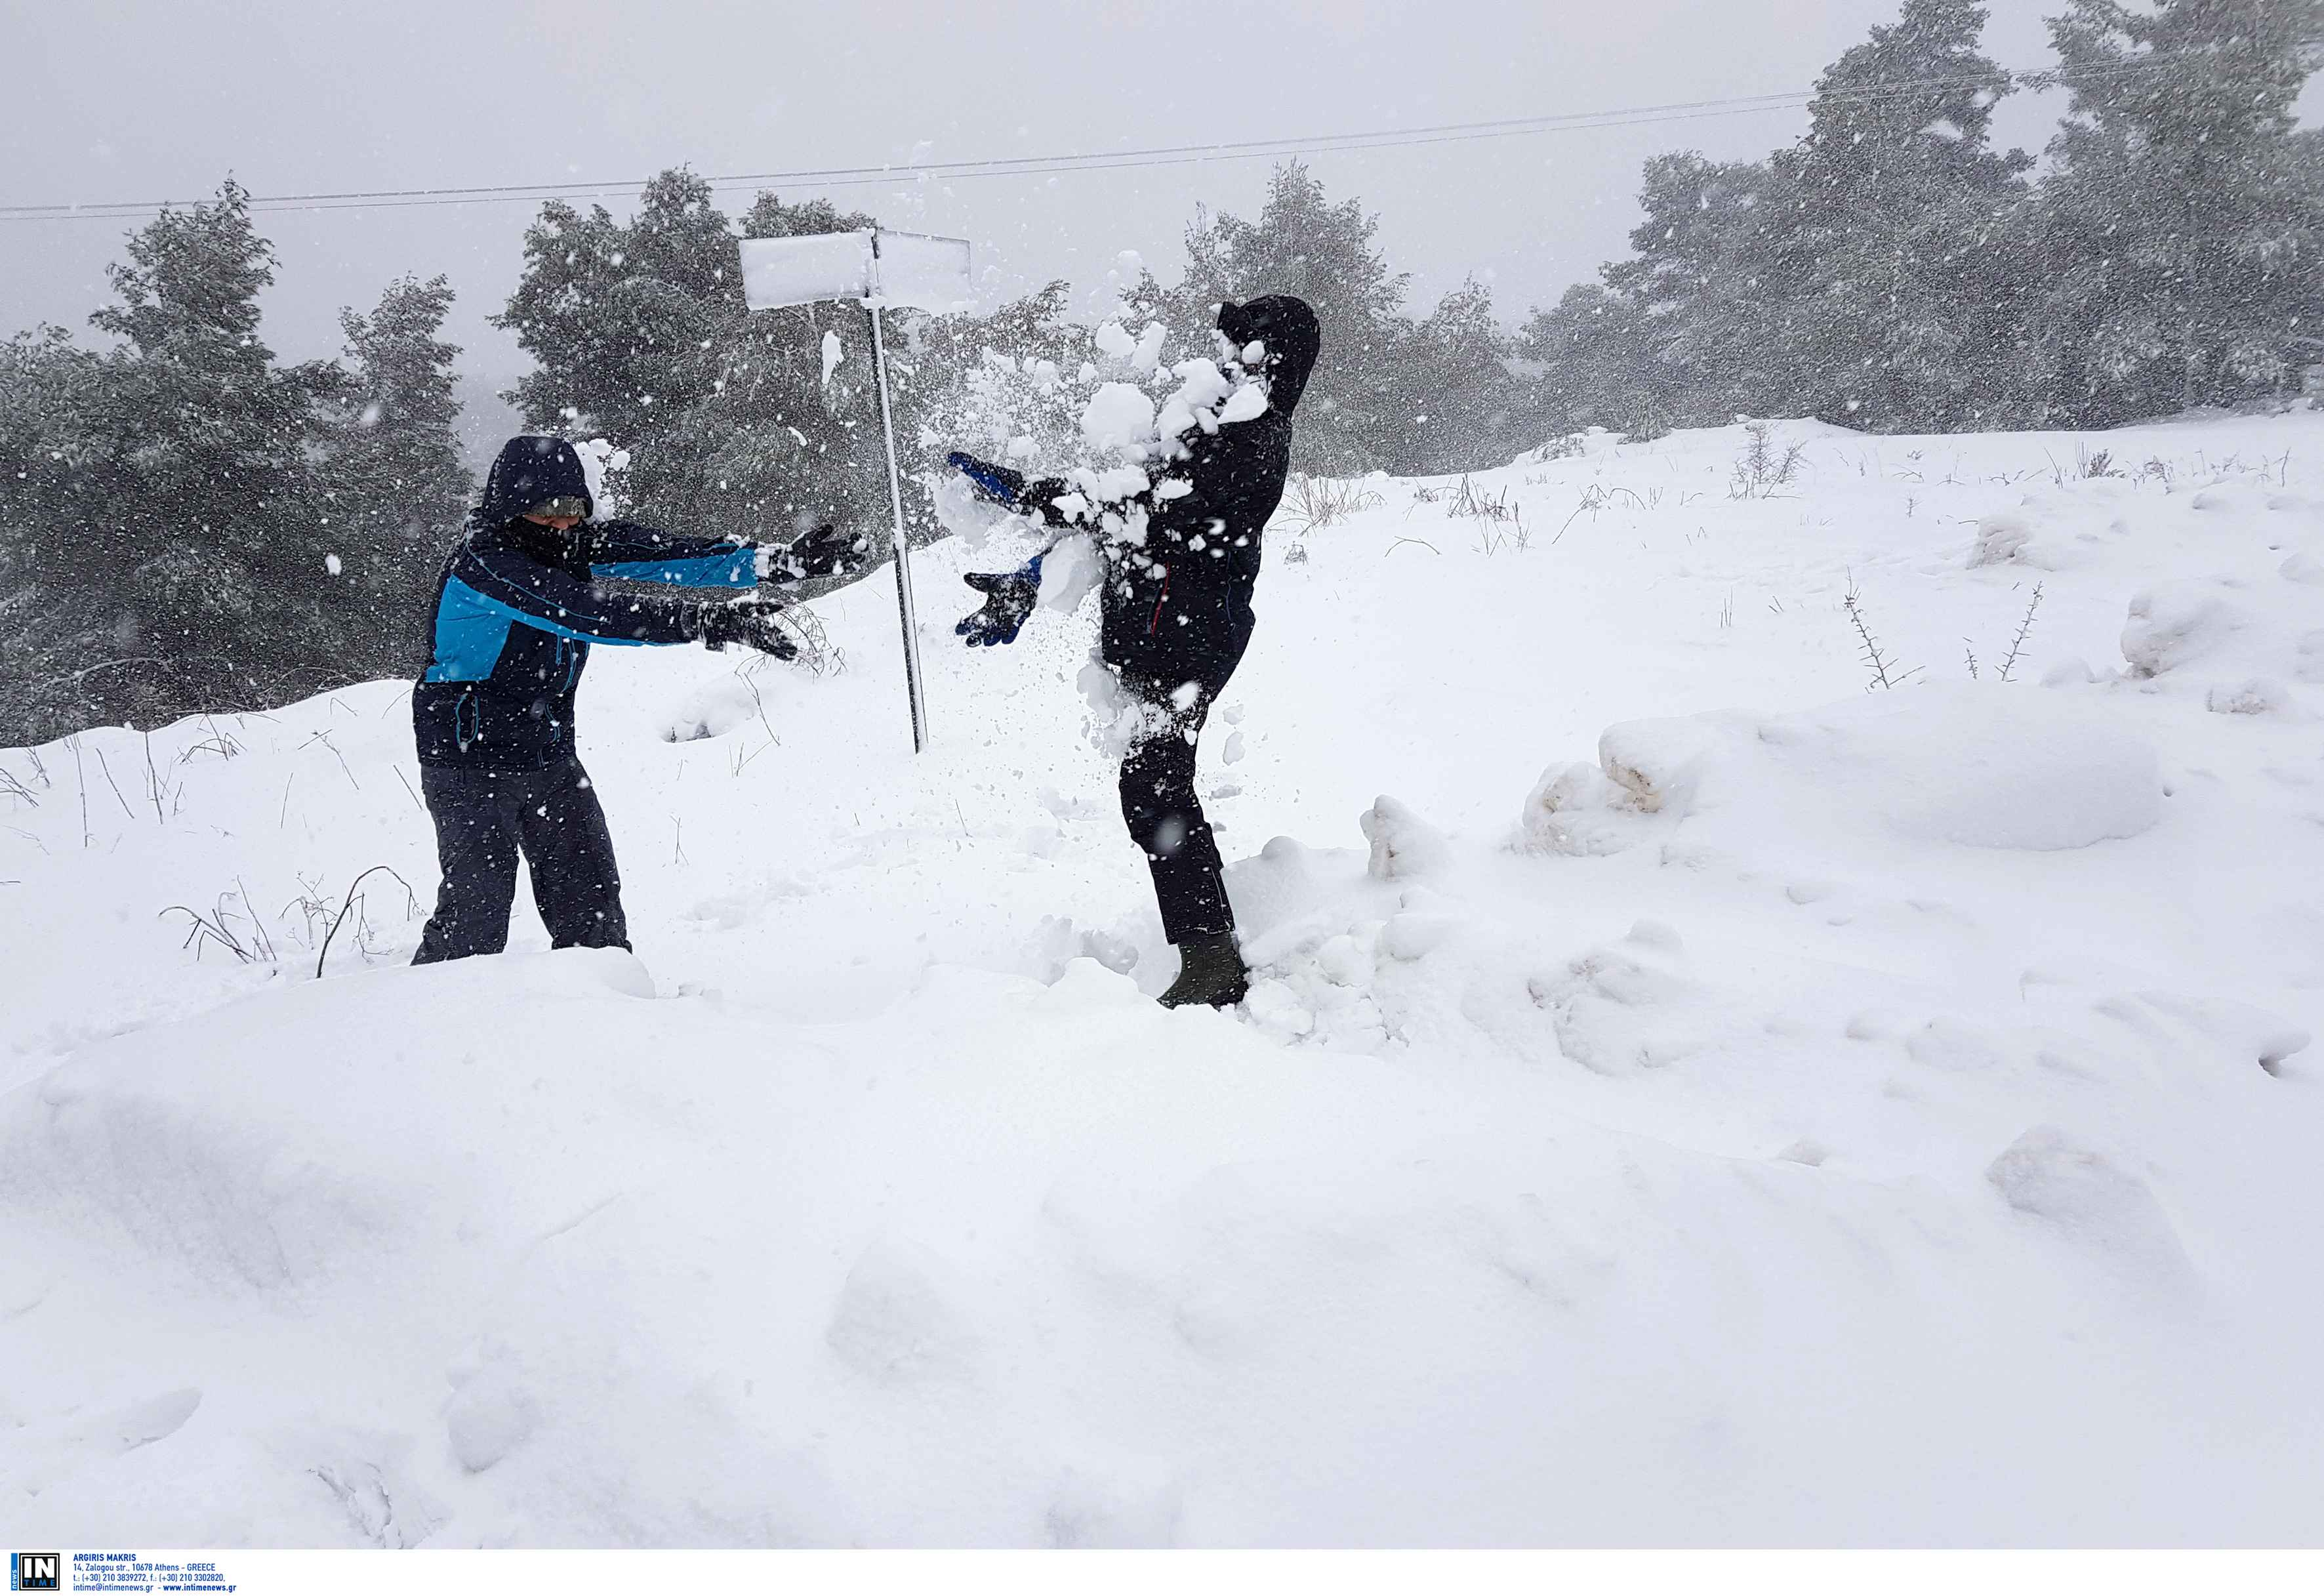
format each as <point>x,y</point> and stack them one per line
<point>519,607</point>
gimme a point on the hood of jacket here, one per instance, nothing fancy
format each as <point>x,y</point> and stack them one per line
<point>529,470</point>
<point>1285,325</point>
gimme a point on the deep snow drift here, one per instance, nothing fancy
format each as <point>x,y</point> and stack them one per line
<point>1853,1117</point>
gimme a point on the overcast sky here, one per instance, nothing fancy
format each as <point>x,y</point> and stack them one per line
<point>146,100</point>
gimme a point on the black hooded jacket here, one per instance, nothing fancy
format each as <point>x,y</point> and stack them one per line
<point>519,605</point>
<point>1179,609</point>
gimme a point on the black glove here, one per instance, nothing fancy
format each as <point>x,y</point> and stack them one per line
<point>822,552</point>
<point>1009,598</point>
<point>996,482</point>
<point>749,621</point>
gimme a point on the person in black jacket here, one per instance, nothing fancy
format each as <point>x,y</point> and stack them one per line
<point>517,611</point>
<point>1182,557</point>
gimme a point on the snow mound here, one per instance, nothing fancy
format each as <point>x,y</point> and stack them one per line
<point>2241,641</point>
<point>2055,1177</point>
<point>1953,763</point>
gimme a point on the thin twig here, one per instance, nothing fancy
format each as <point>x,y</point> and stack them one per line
<point>109,781</point>
<point>325,739</point>
<point>81,774</point>
<point>259,938</point>
<point>349,903</point>
<point>206,930</point>
<point>153,781</point>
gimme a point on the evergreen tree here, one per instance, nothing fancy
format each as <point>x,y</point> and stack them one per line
<point>1350,421</point>
<point>1892,289</point>
<point>1593,353</point>
<point>1677,335</point>
<point>1459,406</point>
<point>2185,217</point>
<point>641,334</point>
<point>170,554</point>
<point>59,648</point>
<point>615,315</point>
<point>1387,393</point>
<point>393,490</point>
<point>782,447</point>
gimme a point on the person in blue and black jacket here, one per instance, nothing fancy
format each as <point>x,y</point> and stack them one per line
<point>520,603</point>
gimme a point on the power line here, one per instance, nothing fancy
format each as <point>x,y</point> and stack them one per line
<point>1101,161</point>
<point>1004,166</point>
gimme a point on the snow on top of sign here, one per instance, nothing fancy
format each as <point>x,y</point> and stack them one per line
<point>913,269</point>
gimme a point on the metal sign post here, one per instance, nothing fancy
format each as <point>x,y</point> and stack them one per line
<point>877,268</point>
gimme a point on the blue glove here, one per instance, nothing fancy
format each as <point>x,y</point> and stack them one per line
<point>1009,598</point>
<point>996,482</point>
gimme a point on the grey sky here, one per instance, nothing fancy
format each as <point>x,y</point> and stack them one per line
<point>148,100</point>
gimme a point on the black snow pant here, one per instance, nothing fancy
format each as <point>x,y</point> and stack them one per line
<point>1165,817</point>
<point>483,820</point>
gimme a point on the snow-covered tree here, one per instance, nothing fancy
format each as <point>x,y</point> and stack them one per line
<point>615,315</point>
<point>1698,279</point>
<point>1592,351</point>
<point>1387,394</point>
<point>1892,271</point>
<point>164,548</point>
<point>1302,244</point>
<point>392,486</point>
<point>1892,277</point>
<point>1452,404</point>
<point>641,335</point>
<point>2184,242</point>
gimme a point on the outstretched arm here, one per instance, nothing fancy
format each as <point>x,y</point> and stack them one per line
<point>640,554</point>
<point>634,553</point>
<point>1000,485</point>
<point>1009,596</point>
<point>513,587</point>
<point>524,589</point>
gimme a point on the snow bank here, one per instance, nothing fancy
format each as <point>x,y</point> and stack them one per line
<point>1955,763</point>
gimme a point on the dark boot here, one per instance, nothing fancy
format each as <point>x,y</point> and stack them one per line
<point>1210,973</point>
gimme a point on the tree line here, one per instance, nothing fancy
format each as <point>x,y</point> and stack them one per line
<point>186,524</point>
<point>1892,271</point>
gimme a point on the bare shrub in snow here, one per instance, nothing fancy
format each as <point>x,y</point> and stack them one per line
<point>2025,626</point>
<point>1469,500</point>
<point>352,903</point>
<point>818,654</point>
<point>1311,504</point>
<point>2261,695</point>
<point>1497,511</point>
<point>1876,659</point>
<point>1766,462</point>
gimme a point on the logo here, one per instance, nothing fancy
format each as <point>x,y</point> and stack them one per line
<point>35,1571</point>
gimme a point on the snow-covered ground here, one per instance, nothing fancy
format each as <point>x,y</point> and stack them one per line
<point>1702,1103</point>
